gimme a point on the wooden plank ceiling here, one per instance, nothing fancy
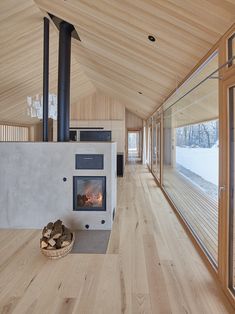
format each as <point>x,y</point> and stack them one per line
<point>21,37</point>
<point>114,51</point>
<point>202,103</point>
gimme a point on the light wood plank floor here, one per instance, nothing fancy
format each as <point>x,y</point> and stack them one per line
<point>150,267</point>
<point>199,209</point>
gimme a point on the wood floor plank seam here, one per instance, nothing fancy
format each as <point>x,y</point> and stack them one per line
<point>150,266</point>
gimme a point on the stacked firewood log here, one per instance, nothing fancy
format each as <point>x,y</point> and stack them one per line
<point>55,236</point>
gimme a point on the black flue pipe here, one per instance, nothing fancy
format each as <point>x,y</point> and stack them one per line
<point>45,79</point>
<point>64,81</point>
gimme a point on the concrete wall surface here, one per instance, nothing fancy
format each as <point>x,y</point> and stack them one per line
<point>32,189</point>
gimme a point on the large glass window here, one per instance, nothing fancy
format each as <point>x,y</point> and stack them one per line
<point>191,150</point>
<point>231,50</point>
<point>149,146</point>
<point>158,166</point>
<point>154,148</point>
<point>194,143</point>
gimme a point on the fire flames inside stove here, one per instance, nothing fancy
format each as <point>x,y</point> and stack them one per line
<point>89,193</point>
<point>90,200</point>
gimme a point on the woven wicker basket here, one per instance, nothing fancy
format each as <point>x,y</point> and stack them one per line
<point>56,254</point>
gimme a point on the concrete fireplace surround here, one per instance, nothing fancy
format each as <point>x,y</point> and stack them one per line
<point>32,187</point>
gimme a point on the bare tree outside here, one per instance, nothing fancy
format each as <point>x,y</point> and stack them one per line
<point>204,135</point>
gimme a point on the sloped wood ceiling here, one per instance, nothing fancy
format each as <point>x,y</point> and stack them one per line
<point>117,55</point>
<point>21,37</point>
<point>114,55</point>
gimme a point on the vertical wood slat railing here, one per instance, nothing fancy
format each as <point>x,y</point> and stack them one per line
<point>12,133</point>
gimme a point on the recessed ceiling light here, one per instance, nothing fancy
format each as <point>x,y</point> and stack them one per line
<point>151,38</point>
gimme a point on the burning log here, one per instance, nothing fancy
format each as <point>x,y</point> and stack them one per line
<point>81,200</point>
<point>90,200</point>
<point>55,236</point>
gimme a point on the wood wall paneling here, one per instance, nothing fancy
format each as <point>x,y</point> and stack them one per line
<point>99,110</point>
<point>36,131</point>
<point>14,133</point>
<point>97,106</point>
<point>133,121</point>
